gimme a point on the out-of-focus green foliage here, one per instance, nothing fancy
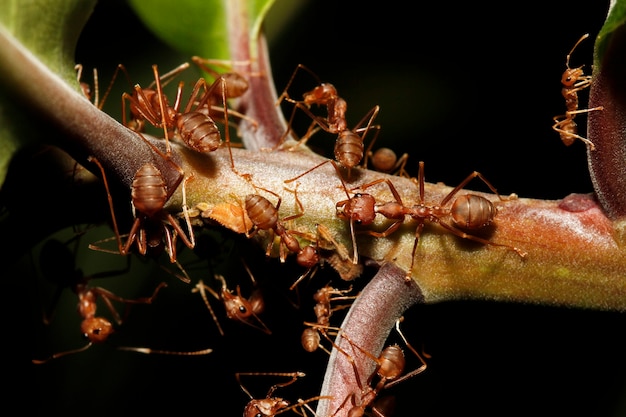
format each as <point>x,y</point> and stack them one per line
<point>200,27</point>
<point>50,31</point>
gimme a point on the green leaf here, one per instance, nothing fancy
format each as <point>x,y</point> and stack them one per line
<point>201,27</point>
<point>616,18</point>
<point>49,30</point>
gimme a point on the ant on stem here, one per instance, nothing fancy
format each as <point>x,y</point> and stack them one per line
<point>264,216</point>
<point>469,212</point>
<point>323,297</point>
<point>389,371</point>
<point>193,124</point>
<point>349,148</point>
<point>150,228</point>
<point>573,81</point>
<point>325,249</point>
<point>270,405</point>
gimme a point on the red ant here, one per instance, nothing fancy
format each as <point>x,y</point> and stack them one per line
<point>325,249</point>
<point>310,338</point>
<point>573,81</point>
<point>264,216</point>
<point>389,371</point>
<point>151,225</point>
<point>193,125</point>
<point>349,147</point>
<point>334,164</point>
<point>244,310</point>
<point>96,329</point>
<point>86,88</point>
<point>195,128</point>
<point>235,85</point>
<point>468,212</point>
<point>271,406</point>
<point>56,257</point>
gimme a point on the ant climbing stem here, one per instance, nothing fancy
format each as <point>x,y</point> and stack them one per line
<point>148,104</point>
<point>573,81</point>
<point>390,365</point>
<point>193,125</point>
<point>323,310</point>
<point>150,227</point>
<point>264,216</point>
<point>270,405</point>
<point>348,150</point>
<point>421,357</point>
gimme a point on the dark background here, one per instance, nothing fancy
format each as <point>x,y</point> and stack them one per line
<point>462,87</point>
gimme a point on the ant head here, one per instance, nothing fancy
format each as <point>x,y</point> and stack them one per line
<point>359,209</point>
<point>308,257</point>
<point>96,329</point>
<point>236,305</point>
<point>571,75</point>
<point>321,95</point>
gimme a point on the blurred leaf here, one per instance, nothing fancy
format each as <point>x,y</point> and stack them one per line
<point>48,29</point>
<point>201,27</point>
<point>615,19</point>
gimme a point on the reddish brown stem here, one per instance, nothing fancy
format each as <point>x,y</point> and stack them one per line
<point>385,298</point>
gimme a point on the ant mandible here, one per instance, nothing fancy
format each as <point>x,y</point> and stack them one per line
<point>573,81</point>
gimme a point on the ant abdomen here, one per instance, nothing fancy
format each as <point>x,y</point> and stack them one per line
<point>349,149</point>
<point>472,212</point>
<point>199,132</point>
<point>149,191</point>
<point>261,211</point>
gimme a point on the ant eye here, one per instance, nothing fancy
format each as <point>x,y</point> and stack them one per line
<point>242,309</point>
